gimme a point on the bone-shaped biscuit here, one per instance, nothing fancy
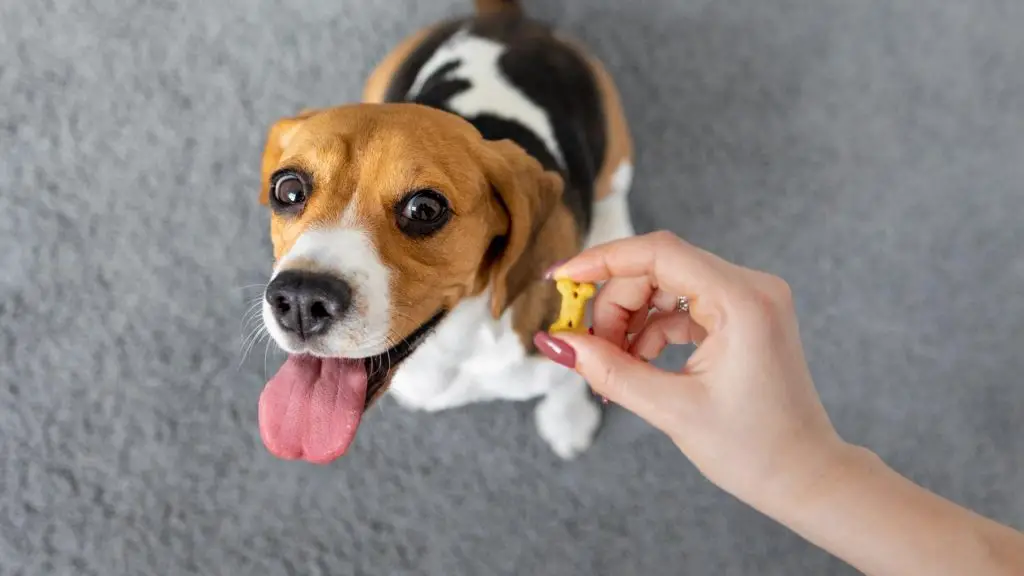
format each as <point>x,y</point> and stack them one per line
<point>574,306</point>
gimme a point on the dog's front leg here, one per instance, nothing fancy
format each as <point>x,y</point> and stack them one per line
<point>568,417</point>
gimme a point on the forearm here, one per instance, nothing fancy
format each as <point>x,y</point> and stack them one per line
<point>881,523</point>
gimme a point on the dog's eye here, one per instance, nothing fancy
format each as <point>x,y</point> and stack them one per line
<point>289,189</point>
<point>426,206</point>
<point>422,213</point>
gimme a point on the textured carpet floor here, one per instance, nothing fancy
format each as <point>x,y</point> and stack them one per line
<point>871,152</point>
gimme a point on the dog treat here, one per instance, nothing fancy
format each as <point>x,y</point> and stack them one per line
<point>574,306</point>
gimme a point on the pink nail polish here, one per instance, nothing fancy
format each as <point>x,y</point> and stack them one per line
<point>555,350</point>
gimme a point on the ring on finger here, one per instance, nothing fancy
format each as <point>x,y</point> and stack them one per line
<point>682,304</point>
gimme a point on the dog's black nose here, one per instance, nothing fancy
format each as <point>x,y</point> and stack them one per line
<point>307,303</point>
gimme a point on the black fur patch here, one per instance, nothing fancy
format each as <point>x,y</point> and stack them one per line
<point>550,74</point>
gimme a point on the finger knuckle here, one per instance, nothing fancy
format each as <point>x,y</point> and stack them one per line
<point>664,238</point>
<point>770,292</point>
<point>781,291</point>
<point>755,310</point>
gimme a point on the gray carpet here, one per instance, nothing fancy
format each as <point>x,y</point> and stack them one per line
<point>870,152</point>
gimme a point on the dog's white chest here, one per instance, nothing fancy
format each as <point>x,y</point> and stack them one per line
<point>475,60</point>
<point>471,358</point>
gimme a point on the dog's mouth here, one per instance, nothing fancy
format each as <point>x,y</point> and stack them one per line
<point>312,407</point>
<point>380,367</point>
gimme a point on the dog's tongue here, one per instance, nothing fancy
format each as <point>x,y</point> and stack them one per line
<point>311,408</point>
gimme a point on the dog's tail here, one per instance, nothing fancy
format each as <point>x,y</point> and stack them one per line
<point>495,6</point>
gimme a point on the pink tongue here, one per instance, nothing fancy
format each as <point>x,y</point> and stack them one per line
<point>311,408</point>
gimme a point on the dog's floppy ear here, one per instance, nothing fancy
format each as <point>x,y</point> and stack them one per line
<point>537,236</point>
<point>277,140</point>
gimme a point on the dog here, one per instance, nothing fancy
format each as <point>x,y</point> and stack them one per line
<point>411,231</point>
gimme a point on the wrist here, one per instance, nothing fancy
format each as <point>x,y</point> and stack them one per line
<point>862,511</point>
<point>819,470</point>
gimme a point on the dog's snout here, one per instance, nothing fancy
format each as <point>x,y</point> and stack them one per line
<point>308,303</point>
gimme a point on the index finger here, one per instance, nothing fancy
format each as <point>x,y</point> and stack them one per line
<point>672,264</point>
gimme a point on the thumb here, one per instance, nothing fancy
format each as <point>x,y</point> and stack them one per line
<point>653,394</point>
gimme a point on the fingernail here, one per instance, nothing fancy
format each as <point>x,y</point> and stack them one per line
<point>550,272</point>
<point>590,330</point>
<point>555,350</point>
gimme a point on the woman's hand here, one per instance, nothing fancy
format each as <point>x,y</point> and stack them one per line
<point>744,408</point>
<point>745,411</point>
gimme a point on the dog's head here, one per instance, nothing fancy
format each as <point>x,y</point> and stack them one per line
<point>384,216</point>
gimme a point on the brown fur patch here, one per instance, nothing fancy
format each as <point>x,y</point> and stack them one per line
<point>538,306</point>
<point>494,6</point>
<point>532,199</point>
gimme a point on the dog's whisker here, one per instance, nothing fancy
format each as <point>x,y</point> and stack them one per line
<point>249,324</point>
<point>252,313</point>
<point>243,353</point>
<point>391,346</point>
<point>250,327</point>
<point>244,343</point>
<point>254,306</point>
<point>250,331</point>
<point>258,334</point>
<point>266,352</point>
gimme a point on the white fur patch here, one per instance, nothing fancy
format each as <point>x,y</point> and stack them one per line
<point>622,179</point>
<point>470,357</point>
<point>473,358</point>
<point>347,251</point>
<point>490,92</point>
<point>611,214</point>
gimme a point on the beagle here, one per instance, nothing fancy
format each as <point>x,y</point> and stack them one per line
<point>411,231</point>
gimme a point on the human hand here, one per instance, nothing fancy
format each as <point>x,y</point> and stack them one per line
<point>744,408</point>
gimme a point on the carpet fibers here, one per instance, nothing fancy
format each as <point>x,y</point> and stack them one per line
<point>870,152</point>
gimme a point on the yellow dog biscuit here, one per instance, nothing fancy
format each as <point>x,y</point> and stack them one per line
<point>574,306</point>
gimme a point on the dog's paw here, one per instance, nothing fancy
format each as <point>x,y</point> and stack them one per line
<point>567,419</point>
